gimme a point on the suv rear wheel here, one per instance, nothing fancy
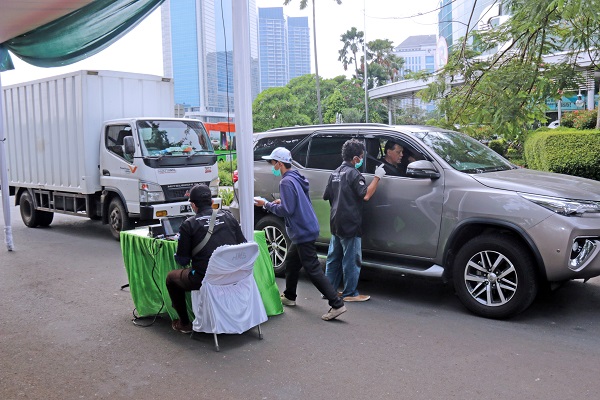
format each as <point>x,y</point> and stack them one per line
<point>278,242</point>
<point>493,276</point>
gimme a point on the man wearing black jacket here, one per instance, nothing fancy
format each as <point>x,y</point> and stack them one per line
<point>193,230</point>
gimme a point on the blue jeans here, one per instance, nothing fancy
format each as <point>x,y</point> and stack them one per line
<point>344,258</point>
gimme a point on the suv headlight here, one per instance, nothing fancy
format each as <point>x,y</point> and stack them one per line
<point>151,193</point>
<point>564,206</point>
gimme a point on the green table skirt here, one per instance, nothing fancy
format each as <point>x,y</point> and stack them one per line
<point>148,261</point>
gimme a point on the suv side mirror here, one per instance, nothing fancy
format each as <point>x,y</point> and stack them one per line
<point>129,145</point>
<point>422,169</point>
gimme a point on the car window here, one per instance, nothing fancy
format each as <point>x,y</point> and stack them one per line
<point>264,146</point>
<point>464,153</point>
<point>325,152</point>
<point>376,153</point>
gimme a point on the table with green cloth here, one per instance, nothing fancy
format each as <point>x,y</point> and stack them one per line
<point>149,260</point>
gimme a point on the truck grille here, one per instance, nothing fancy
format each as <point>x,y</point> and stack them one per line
<point>176,192</point>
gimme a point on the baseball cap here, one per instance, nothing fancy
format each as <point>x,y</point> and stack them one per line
<point>280,154</point>
<point>200,194</point>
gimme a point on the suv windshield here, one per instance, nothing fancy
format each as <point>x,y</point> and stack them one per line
<point>464,153</point>
<point>159,138</point>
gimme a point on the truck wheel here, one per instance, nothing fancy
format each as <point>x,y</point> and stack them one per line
<point>278,242</point>
<point>29,214</point>
<point>118,220</point>
<point>494,277</point>
<point>45,217</point>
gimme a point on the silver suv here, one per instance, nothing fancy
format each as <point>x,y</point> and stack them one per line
<point>460,212</point>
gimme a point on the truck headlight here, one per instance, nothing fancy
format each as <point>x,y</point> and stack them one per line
<point>151,193</point>
<point>564,206</point>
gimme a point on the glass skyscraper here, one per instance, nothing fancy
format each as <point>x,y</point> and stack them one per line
<point>284,47</point>
<point>197,53</point>
<point>298,46</point>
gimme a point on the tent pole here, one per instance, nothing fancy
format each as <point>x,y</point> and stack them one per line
<point>243,114</point>
<point>4,177</point>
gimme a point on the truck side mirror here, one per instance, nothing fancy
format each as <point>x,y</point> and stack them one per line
<point>129,145</point>
<point>422,169</point>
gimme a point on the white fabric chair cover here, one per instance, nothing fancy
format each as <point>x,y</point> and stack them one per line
<point>228,300</point>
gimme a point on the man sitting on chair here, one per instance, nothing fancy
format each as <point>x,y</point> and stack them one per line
<point>192,232</point>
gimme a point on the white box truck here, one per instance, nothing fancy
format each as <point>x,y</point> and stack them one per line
<point>103,145</point>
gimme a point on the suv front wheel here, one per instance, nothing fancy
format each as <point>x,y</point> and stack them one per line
<point>278,242</point>
<point>493,276</point>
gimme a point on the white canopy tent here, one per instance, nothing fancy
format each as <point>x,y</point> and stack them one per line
<point>22,16</point>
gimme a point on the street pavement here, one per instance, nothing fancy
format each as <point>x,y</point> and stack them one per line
<point>66,333</point>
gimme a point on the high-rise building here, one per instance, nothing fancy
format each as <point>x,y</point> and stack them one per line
<point>197,53</point>
<point>272,45</point>
<point>298,46</point>
<point>418,53</point>
<point>284,47</point>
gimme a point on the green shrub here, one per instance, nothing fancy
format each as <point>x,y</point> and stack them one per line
<point>566,120</point>
<point>226,196</point>
<point>585,119</point>
<point>580,119</point>
<point>567,151</point>
<point>226,169</point>
<point>499,146</point>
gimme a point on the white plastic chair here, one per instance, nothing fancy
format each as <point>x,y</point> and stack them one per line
<point>228,300</point>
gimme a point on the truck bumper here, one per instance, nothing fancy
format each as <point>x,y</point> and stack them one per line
<point>156,211</point>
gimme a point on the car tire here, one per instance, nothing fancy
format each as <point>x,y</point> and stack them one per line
<point>29,214</point>
<point>494,277</point>
<point>278,242</point>
<point>118,219</point>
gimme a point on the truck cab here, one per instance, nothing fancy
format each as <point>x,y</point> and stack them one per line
<point>147,165</point>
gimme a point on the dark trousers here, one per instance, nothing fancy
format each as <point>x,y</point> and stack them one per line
<point>306,256</point>
<point>178,282</point>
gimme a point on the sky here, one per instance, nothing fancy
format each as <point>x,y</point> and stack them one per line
<point>141,49</point>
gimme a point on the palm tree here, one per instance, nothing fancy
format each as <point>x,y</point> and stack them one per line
<point>352,39</point>
<point>303,4</point>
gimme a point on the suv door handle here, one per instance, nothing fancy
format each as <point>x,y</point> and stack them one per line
<point>105,172</point>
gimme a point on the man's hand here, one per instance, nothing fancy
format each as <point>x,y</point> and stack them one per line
<point>380,171</point>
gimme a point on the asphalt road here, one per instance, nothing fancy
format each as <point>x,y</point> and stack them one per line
<point>66,333</point>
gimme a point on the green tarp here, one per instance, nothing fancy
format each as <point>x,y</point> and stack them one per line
<point>77,35</point>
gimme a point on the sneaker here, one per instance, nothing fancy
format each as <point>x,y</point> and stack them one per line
<point>333,313</point>
<point>360,297</point>
<point>179,327</point>
<point>287,302</point>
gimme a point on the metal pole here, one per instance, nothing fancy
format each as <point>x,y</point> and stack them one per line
<point>8,239</point>
<point>365,63</point>
<point>317,65</point>
<point>243,114</point>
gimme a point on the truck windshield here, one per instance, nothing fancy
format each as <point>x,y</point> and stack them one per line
<point>172,137</point>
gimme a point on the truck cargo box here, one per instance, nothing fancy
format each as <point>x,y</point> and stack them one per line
<point>53,125</point>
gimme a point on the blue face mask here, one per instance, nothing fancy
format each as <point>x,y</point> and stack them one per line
<point>275,172</point>
<point>359,164</point>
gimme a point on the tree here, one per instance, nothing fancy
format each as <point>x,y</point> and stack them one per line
<point>382,64</point>
<point>506,77</point>
<point>381,54</point>
<point>334,105</point>
<point>303,87</point>
<point>275,108</point>
<point>303,4</point>
<point>353,39</point>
